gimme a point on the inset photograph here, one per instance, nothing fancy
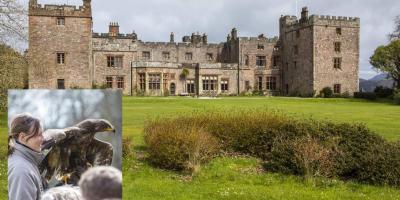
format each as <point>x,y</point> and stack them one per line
<point>64,144</point>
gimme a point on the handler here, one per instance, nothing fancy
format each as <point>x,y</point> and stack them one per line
<point>24,157</point>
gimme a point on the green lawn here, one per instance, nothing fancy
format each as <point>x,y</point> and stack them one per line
<point>242,178</point>
<point>239,177</point>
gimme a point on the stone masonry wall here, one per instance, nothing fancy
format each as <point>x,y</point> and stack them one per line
<point>46,38</point>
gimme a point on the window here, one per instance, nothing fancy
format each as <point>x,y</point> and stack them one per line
<point>109,82</point>
<point>260,47</point>
<point>271,83</point>
<point>260,61</point>
<point>188,56</point>
<point>298,33</point>
<point>60,84</point>
<point>246,60</point>
<point>247,85</point>
<point>142,82</point>
<point>338,31</point>
<point>337,63</point>
<point>296,50</point>
<point>154,81</point>
<point>337,47</point>
<point>172,76</point>
<point>209,56</point>
<point>114,61</point>
<point>224,85</point>
<point>190,86</point>
<point>337,88</point>
<point>120,82</point>
<point>60,21</point>
<point>165,81</point>
<point>295,64</point>
<point>275,61</point>
<point>60,58</point>
<point>287,88</point>
<point>260,88</point>
<point>146,55</point>
<point>210,83</point>
<point>165,55</point>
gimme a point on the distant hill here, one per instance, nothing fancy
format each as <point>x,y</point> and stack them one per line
<point>378,80</point>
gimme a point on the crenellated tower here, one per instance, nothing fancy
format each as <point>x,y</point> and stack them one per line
<point>60,45</point>
<point>319,51</point>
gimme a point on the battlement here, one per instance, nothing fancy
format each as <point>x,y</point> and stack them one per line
<point>119,36</point>
<point>305,20</point>
<point>36,9</point>
<point>257,39</point>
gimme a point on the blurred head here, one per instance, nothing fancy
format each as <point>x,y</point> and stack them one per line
<point>103,182</point>
<point>27,130</point>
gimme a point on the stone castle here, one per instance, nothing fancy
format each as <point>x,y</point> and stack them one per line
<point>310,53</point>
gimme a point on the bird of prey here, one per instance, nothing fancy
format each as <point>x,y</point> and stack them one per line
<point>75,149</point>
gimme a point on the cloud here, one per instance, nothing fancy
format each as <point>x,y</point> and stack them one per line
<point>153,20</point>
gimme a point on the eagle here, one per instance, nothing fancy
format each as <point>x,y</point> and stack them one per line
<point>72,150</point>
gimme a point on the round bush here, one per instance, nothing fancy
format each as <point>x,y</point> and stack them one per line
<point>326,92</point>
<point>180,149</point>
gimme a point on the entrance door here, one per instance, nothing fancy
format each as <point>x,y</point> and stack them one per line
<point>172,89</point>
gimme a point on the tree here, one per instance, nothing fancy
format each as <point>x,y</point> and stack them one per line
<point>13,22</point>
<point>387,59</point>
<point>396,33</point>
<point>13,72</point>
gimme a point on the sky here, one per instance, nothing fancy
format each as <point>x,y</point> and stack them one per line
<point>154,20</point>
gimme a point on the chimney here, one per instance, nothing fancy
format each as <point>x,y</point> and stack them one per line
<point>171,37</point>
<point>304,13</point>
<point>113,29</point>
<point>204,38</point>
<point>228,38</point>
<point>32,3</point>
<point>86,3</point>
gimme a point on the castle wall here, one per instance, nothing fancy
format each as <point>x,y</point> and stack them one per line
<point>300,60</point>
<point>46,39</point>
<point>297,64</point>
<point>325,74</point>
<point>313,67</point>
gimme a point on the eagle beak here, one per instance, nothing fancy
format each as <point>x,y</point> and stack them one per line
<point>110,129</point>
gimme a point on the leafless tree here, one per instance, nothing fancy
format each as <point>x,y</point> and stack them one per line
<point>396,33</point>
<point>13,22</point>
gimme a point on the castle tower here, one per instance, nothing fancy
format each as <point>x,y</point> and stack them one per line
<point>319,51</point>
<point>60,53</point>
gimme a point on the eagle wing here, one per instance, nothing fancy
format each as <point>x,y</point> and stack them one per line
<point>52,162</point>
<point>100,153</point>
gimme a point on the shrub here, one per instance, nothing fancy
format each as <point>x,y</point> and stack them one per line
<point>102,86</point>
<point>303,147</point>
<point>258,93</point>
<point>365,95</point>
<point>396,97</point>
<point>383,92</point>
<point>326,92</point>
<point>177,148</point>
<point>127,148</point>
<point>345,94</point>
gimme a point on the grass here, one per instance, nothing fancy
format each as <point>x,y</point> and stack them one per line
<point>239,177</point>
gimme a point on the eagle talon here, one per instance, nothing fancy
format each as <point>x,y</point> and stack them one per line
<point>64,178</point>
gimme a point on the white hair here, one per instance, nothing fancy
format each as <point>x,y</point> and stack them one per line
<point>102,182</point>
